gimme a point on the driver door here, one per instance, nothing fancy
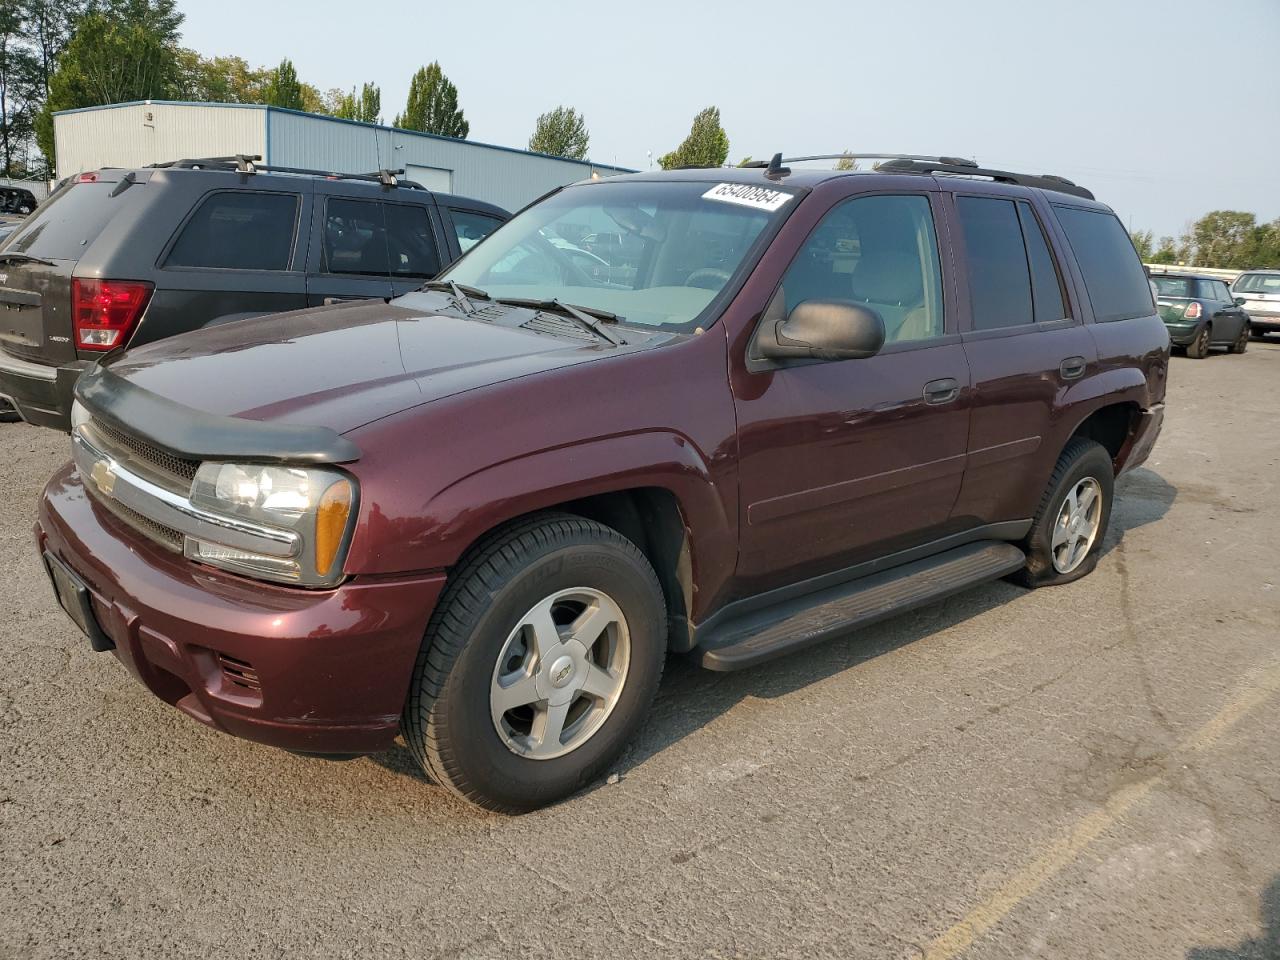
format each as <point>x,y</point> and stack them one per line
<point>845,461</point>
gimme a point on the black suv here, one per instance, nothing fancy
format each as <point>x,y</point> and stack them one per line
<point>17,200</point>
<point>119,258</point>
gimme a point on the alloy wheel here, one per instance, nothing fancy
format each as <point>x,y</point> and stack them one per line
<point>1077,525</point>
<point>560,674</point>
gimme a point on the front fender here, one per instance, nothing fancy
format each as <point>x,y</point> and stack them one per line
<point>434,535</point>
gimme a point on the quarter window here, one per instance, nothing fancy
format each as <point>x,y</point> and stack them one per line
<point>879,251</point>
<point>238,231</point>
<point>1113,275</point>
<point>999,278</point>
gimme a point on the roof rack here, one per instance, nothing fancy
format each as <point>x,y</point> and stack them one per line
<point>249,164</point>
<point>1043,181</point>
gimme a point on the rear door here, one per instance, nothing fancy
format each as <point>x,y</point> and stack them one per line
<point>349,257</point>
<point>1228,319</point>
<point>236,253</point>
<point>1026,345</point>
<point>37,261</point>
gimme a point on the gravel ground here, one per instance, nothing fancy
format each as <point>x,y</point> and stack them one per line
<point>1084,771</point>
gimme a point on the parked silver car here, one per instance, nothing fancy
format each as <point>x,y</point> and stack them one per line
<point>1258,291</point>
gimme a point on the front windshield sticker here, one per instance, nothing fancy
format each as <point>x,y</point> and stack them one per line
<point>760,198</point>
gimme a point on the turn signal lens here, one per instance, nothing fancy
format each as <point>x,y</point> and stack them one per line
<point>1193,311</point>
<point>331,524</point>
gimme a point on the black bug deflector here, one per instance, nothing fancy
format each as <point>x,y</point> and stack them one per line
<point>197,435</point>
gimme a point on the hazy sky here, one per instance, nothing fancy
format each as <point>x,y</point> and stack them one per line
<point>1164,109</point>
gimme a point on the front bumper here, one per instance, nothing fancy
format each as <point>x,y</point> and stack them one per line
<point>41,394</point>
<point>323,671</point>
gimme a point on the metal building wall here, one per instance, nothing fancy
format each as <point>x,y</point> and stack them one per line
<point>509,178</point>
<point>123,136</point>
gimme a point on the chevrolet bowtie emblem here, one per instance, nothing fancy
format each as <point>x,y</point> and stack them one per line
<point>104,478</point>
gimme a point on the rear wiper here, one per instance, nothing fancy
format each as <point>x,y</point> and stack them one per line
<point>26,258</point>
<point>588,317</point>
<point>462,293</point>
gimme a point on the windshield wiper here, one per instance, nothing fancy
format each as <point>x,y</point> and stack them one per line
<point>26,258</point>
<point>588,317</point>
<point>462,293</point>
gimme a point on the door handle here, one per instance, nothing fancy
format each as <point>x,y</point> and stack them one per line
<point>941,391</point>
<point>1072,367</point>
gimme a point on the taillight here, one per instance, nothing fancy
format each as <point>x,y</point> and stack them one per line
<point>104,312</point>
<point>1193,311</point>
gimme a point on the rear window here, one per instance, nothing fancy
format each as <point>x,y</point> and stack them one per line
<point>999,280</point>
<point>1258,283</point>
<point>64,226</point>
<point>1113,274</point>
<point>1175,287</point>
<point>234,230</point>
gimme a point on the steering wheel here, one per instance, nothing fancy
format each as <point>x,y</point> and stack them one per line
<point>709,273</point>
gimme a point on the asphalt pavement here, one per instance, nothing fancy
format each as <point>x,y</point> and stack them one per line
<point>1084,771</point>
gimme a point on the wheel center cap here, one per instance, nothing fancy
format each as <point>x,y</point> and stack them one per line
<point>561,671</point>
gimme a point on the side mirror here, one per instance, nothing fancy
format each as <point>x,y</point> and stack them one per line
<point>824,330</point>
<point>1240,301</point>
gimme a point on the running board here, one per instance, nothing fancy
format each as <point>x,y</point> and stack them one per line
<point>794,624</point>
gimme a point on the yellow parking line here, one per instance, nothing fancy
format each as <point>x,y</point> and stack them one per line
<point>1064,851</point>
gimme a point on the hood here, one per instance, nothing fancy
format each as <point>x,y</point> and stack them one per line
<point>346,365</point>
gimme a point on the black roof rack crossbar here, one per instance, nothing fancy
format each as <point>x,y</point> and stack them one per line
<point>1044,181</point>
<point>245,163</point>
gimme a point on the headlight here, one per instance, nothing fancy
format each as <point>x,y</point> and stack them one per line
<point>316,504</point>
<point>79,415</point>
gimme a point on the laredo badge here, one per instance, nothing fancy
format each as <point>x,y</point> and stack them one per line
<point>747,195</point>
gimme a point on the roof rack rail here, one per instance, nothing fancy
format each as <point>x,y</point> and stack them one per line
<point>858,155</point>
<point>1043,181</point>
<point>249,164</point>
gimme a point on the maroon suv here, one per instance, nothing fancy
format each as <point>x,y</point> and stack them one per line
<point>786,404</point>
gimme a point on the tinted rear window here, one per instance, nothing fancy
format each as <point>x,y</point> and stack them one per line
<point>238,231</point>
<point>64,226</point>
<point>999,281</point>
<point>1175,287</point>
<point>1113,274</point>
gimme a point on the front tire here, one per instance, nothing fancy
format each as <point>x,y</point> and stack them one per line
<point>1071,523</point>
<point>539,664</point>
<point>1242,341</point>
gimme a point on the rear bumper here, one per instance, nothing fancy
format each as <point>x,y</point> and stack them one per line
<point>318,671</point>
<point>1143,439</point>
<point>1182,334</point>
<point>41,394</point>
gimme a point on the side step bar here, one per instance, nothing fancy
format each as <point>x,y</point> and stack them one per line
<point>794,624</point>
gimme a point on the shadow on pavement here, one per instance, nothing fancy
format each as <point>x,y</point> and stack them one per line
<point>1266,947</point>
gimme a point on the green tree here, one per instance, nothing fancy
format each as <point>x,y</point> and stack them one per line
<point>220,79</point>
<point>432,105</point>
<point>707,145</point>
<point>561,133</point>
<point>1221,237</point>
<point>20,88</point>
<point>121,50</point>
<point>1144,243</point>
<point>48,26</point>
<point>846,161</point>
<point>283,88</point>
<point>365,106</point>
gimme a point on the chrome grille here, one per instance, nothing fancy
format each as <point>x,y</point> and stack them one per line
<point>165,465</point>
<point>163,535</point>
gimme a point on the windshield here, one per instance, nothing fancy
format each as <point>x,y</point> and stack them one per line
<point>1258,283</point>
<point>653,253</point>
<point>1172,286</point>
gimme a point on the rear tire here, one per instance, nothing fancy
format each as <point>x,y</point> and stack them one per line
<point>1198,348</point>
<point>1064,543</point>
<point>512,626</point>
